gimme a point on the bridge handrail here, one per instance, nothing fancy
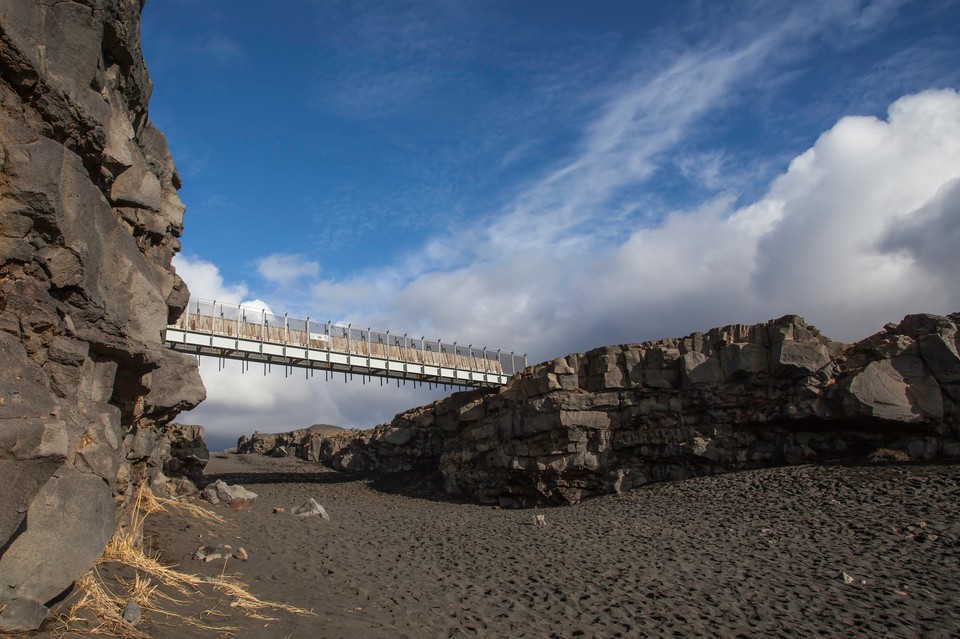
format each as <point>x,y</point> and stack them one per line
<point>246,322</point>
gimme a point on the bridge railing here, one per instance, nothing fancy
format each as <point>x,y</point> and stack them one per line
<point>256,324</point>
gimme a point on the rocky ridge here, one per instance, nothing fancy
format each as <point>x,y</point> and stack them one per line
<point>320,442</point>
<point>89,221</point>
<point>735,397</point>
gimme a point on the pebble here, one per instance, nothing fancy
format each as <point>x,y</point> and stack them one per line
<point>131,613</point>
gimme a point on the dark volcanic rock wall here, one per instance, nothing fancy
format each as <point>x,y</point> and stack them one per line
<point>733,398</point>
<point>89,221</point>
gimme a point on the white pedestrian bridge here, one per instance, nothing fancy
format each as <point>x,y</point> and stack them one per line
<point>236,332</point>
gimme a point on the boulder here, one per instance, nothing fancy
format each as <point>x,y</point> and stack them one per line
<point>34,566</point>
<point>700,368</point>
<point>742,359</point>
<point>311,508</point>
<point>793,358</point>
<point>237,497</point>
<point>898,389</point>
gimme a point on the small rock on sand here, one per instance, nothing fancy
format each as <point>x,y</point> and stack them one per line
<point>131,613</point>
<point>311,508</point>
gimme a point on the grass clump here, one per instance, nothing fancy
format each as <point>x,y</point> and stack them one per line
<point>99,599</point>
<point>886,455</point>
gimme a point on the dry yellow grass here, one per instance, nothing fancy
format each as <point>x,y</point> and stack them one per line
<point>97,609</point>
<point>882,455</point>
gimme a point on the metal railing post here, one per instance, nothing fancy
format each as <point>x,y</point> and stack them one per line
<point>423,360</point>
<point>213,315</point>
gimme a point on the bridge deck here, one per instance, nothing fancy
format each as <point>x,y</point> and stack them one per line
<point>252,335</point>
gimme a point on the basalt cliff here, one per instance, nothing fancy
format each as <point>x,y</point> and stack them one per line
<point>618,417</point>
<point>89,221</point>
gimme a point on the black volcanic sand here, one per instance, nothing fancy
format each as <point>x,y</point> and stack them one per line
<point>752,554</point>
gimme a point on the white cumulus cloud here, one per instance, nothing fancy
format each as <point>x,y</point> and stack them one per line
<point>205,280</point>
<point>848,236</point>
<point>285,269</point>
<point>206,283</point>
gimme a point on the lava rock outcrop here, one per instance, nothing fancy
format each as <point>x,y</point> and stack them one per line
<point>89,221</point>
<point>735,397</point>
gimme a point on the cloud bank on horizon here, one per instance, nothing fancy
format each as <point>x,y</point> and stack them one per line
<point>663,210</point>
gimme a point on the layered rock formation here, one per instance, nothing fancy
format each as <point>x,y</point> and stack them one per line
<point>89,221</point>
<point>736,397</point>
<point>320,442</point>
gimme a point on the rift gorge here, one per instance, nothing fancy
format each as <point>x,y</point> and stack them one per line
<point>746,480</point>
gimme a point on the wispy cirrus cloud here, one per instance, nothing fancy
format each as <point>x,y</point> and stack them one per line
<point>656,107</point>
<point>384,58</point>
<point>219,48</point>
<point>643,118</point>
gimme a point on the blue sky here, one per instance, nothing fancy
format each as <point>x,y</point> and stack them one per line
<point>554,176</point>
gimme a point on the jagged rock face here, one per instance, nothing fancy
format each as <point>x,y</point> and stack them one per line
<point>318,443</point>
<point>184,451</point>
<point>733,398</point>
<point>89,221</point>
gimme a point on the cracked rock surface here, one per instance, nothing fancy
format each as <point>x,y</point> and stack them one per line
<point>618,417</point>
<point>89,223</point>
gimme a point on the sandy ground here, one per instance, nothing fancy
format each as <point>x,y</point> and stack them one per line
<point>753,554</point>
